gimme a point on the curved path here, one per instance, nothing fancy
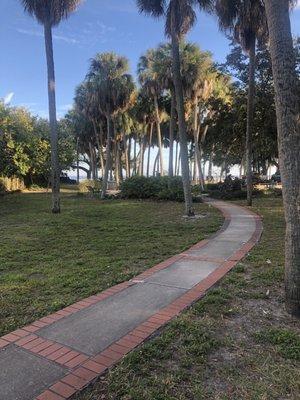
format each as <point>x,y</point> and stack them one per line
<point>58,355</point>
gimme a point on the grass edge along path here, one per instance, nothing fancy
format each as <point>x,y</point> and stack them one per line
<point>116,351</point>
<point>49,262</point>
<point>236,343</point>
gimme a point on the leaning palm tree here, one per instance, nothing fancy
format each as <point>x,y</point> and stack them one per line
<point>180,16</point>
<point>50,13</point>
<point>287,91</point>
<point>246,20</point>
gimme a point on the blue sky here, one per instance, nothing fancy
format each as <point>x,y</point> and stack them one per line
<point>97,26</point>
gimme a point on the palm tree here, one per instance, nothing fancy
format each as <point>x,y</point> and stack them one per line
<point>145,116</point>
<point>180,17</point>
<point>198,78</point>
<point>162,67</point>
<point>246,20</point>
<point>148,78</point>
<point>50,13</point>
<point>87,104</point>
<point>114,88</point>
<point>287,90</point>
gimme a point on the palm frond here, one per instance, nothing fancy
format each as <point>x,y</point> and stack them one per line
<point>50,11</point>
<point>155,8</point>
<point>243,19</point>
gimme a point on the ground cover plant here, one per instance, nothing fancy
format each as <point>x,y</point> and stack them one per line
<point>236,343</point>
<point>157,188</point>
<point>48,262</point>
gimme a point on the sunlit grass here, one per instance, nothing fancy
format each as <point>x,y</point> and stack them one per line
<point>49,261</point>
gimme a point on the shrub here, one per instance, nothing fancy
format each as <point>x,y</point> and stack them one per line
<point>222,195</point>
<point>159,188</point>
<point>213,186</point>
<point>12,184</point>
<point>230,189</point>
<point>274,192</point>
<point>89,185</point>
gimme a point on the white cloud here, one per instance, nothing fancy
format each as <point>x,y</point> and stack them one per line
<point>65,39</point>
<point>55,37</point>
<point>8,98</point>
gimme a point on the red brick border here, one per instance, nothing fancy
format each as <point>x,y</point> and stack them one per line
<point>84,369</point>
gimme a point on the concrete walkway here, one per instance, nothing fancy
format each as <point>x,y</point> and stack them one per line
<point>58,355</point>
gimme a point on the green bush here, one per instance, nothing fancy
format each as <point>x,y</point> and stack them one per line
<point>230,189</point>
<point>223,195</point>
<point>89,185</point>
<point>159,188</point>
<point>213,186</point>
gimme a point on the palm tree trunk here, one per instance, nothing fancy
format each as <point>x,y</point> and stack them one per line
<point>250,119</point>
<point>194,170</point>
<point>181,121</point>
<point>101,151</point>
<point>77,159</point>
<point>141,163</point>
<point>127,165</point>
<point>155,163</point>
<point>197,149</point>
<point>98,146</point>
<point>172,129</point>
<point>221,172</point>
<point>210,165</point>
<point>201,145</point>
<point>288,123</point>
<point>241,169</point>
<point>176,158</point>
<point>149,149</point>
<point>55,170</point>
<point>92,160</point>
<point>108,158</point>
<point>178,163</point>
<point>159,136</point>
<point>129,156</point>
<point>134,157</point>
<point>117,175</point>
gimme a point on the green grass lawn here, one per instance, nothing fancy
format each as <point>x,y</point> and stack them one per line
<point>50,261</point>
<point>238,343</point>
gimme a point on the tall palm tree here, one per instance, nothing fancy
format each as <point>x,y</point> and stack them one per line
<point>114,88</point>
<point>180,16</point>
<point>87,104</point>
<point>148,78</point>
<point>246,20</point>
<point>50,13</point>
<point>145,116</point>
<point>198,85</point>
<point>287,92</point>
<point>162,67</point>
